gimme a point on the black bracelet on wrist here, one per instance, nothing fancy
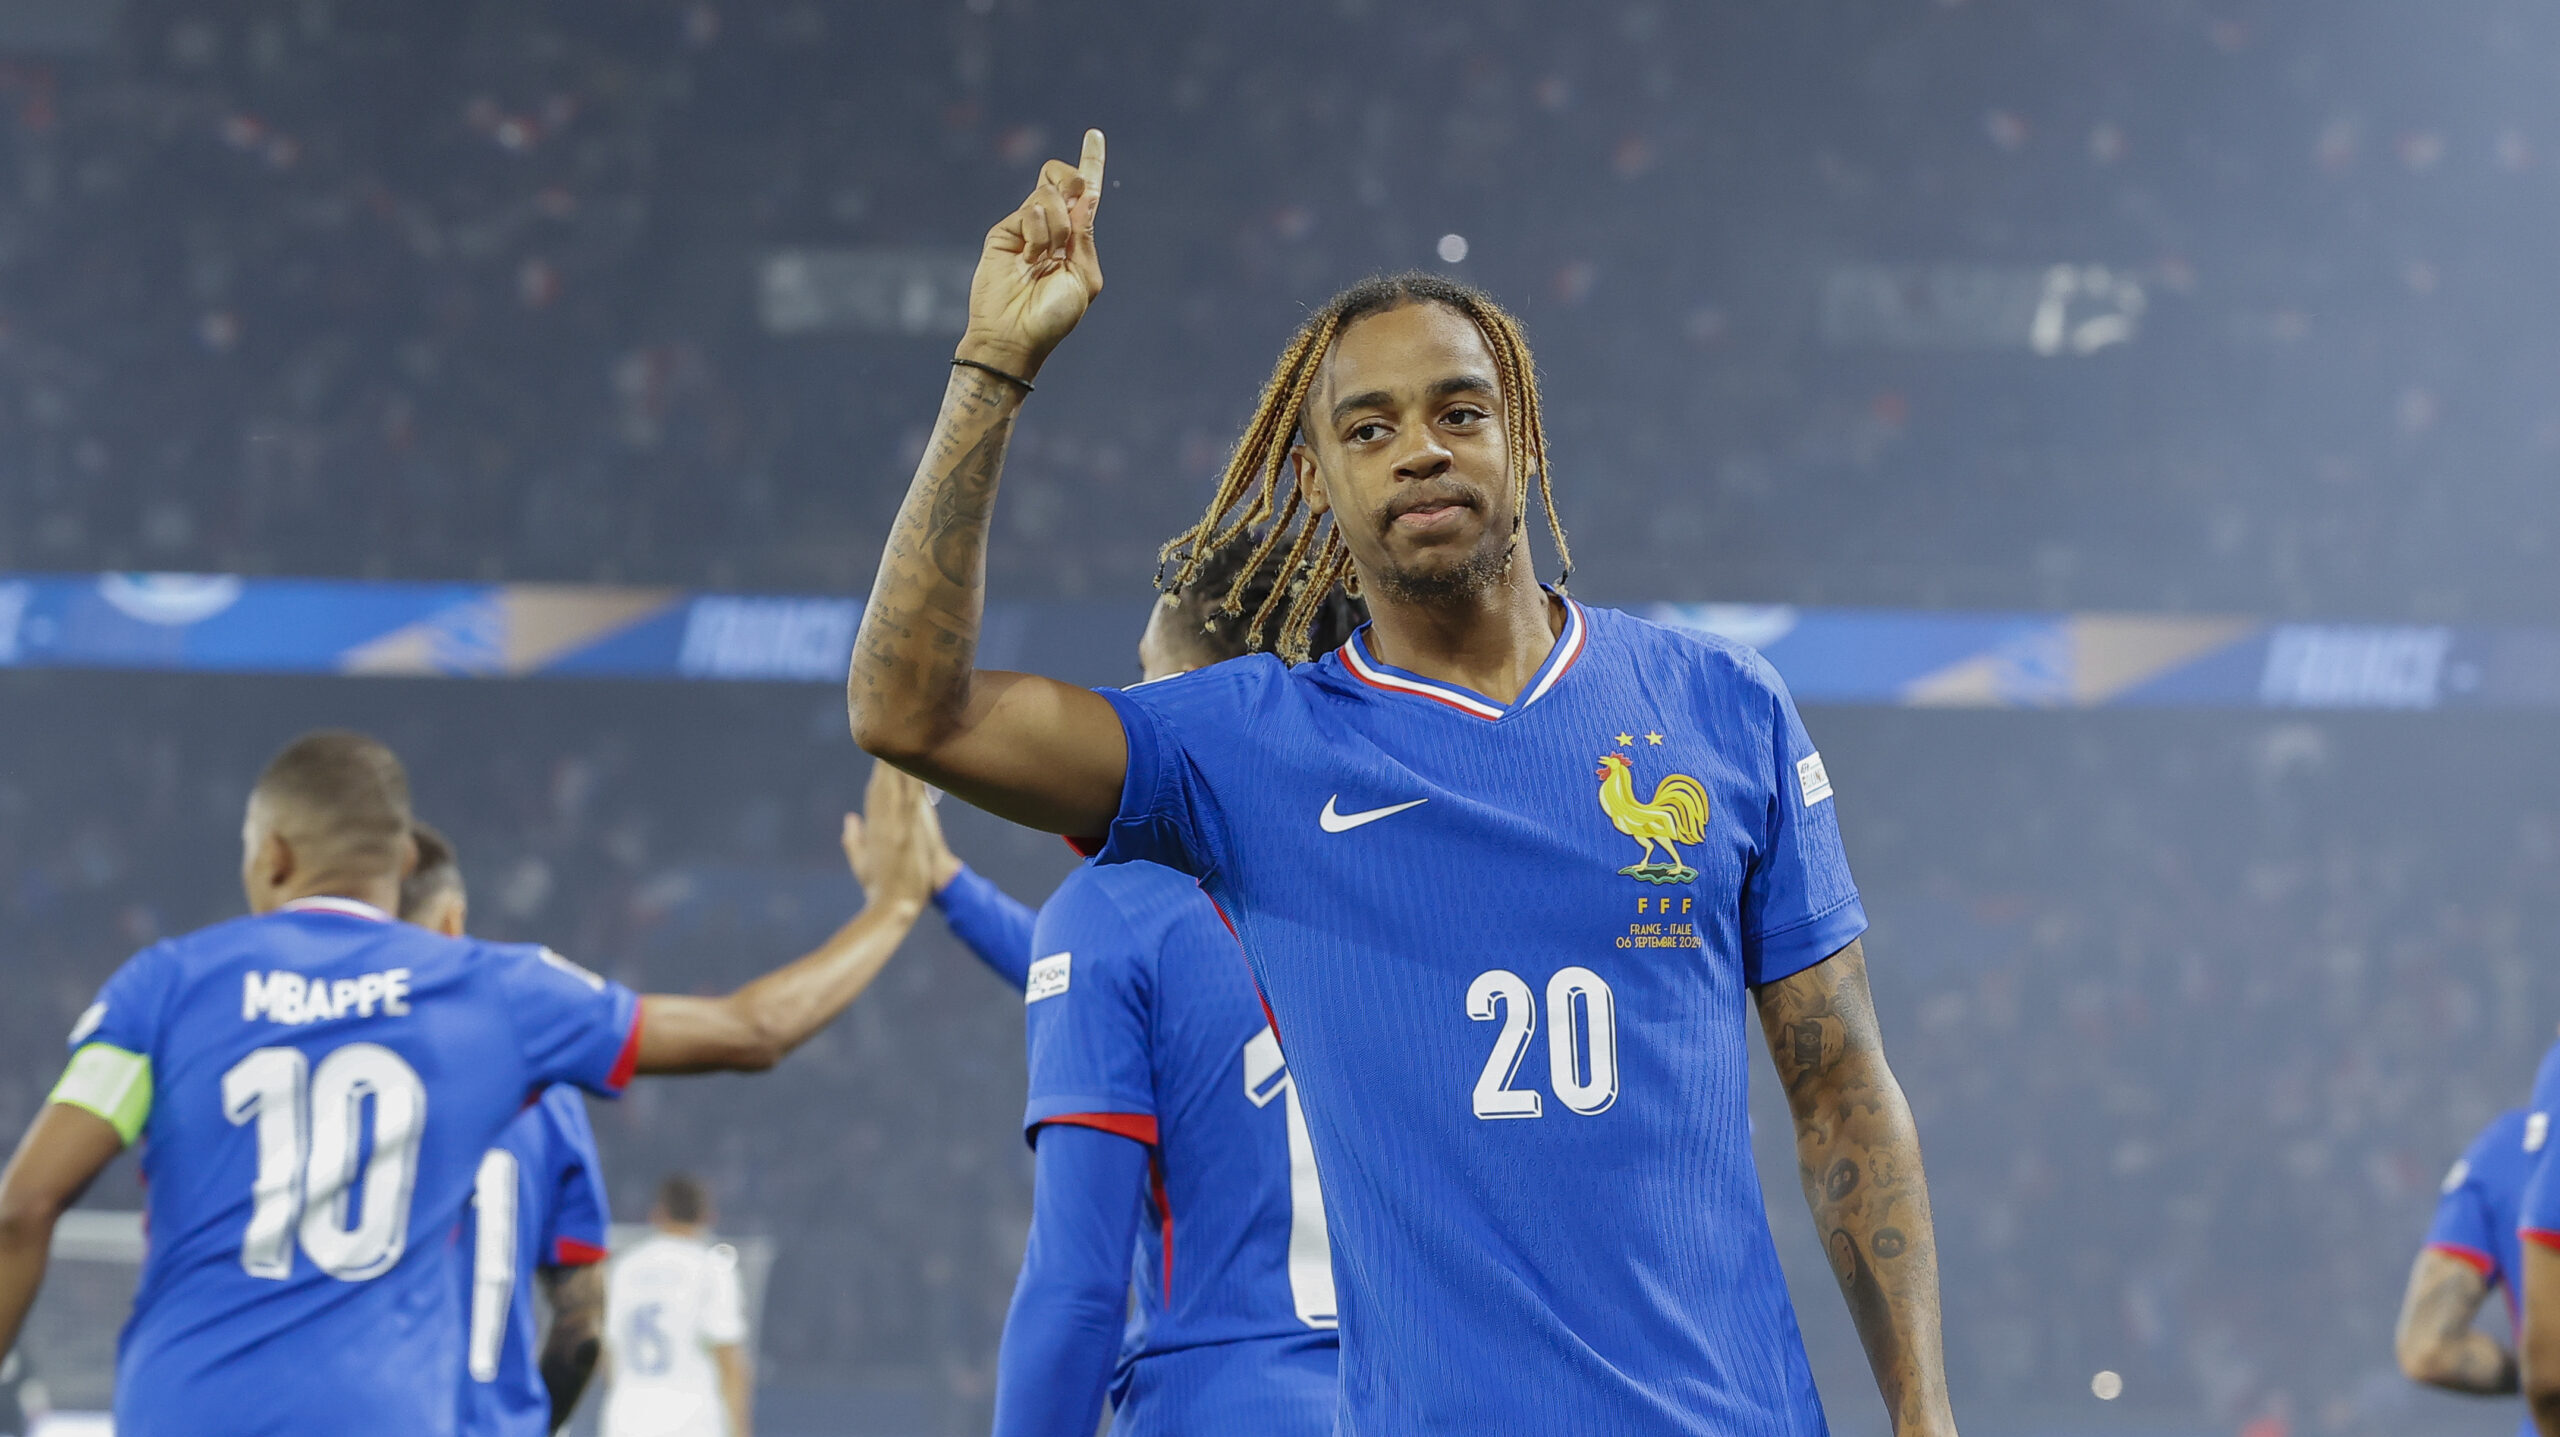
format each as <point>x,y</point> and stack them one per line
<point>998,373</point>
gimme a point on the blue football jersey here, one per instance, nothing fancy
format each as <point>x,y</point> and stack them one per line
<point>1144,1021</point>
<point>323,1082</point>
<point>538,1202</point>
<point>2538,1217</point>
<point>2481,1203</point>
<point>1509,950</point>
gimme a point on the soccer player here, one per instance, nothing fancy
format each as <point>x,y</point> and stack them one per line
<point>538,1207</point>
<point>1163,1121</point>
<point>2471,1248</point>
<point>317,1083</point>
<point>544,1183</point>
<point>676,1325</point>
<point>1439,864</point>
<point>2538,1228</point>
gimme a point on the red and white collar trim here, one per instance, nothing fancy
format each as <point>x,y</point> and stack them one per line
<point>1568,647</point>
<point>348,907</point>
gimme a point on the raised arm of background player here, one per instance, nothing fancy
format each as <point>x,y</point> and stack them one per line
<point>751,1029</point>
<point>990,922</point>
<point>746,1031</point>
<point>1858,1154</point>
<point>1045,754</point>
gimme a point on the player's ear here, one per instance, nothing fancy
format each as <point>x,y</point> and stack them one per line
<point>276,862</point>
<point>455,920</point>
<point>1302,462</point>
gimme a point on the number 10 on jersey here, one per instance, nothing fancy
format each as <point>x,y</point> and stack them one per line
<point>1582,1042</point>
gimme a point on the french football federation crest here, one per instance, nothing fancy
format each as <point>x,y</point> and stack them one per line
<point>1677,815</point>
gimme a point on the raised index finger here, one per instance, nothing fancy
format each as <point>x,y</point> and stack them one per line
<point>1091,166</point>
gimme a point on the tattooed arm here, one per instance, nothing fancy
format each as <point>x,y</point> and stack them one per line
<point>1859,1155</point>
<point>2436,1342</point>
<point>2538,1345</point>
<point>1042,753</point>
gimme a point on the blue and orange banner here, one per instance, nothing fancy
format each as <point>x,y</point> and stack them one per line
<point>220,623</point>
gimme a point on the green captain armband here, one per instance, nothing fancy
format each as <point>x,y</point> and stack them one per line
<point>108,1081</point>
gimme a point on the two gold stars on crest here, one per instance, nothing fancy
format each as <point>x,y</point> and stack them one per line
<point>1625,739</point>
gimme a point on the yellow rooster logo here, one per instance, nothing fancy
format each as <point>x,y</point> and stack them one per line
<point>1678,814</point>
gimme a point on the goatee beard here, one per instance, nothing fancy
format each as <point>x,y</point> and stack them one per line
<point>1477,573</point>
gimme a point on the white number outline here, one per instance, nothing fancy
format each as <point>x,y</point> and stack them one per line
<point>269,1085</point>
<point>308,1135</point>
<point>493,1259</point>
<point>1591,1096</point>
<point>1310,1243</point>
<point>1494,1096</point>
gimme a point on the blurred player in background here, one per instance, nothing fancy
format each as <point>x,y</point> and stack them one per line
<point>2538,1234</point>
<point>2471,1249</point>
<point>545,1184</point>
<point>676,1328</point>
<point>538,1209</point>
<point>1158,1090</point>
<point>1410,840</point>
<point>318,1083</point>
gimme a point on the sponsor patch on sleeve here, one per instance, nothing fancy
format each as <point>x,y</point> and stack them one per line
<point>1048,978</point>
<point>2460,1174</point>
<point>90,1018</point>
<point>2536,1128</point>
<point>1812,779</point>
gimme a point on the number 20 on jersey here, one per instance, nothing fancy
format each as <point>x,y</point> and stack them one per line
<point>1582,1042</point>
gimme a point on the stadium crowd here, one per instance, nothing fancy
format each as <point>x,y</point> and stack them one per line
<point>2194,1009</point>
<point>471,290</point>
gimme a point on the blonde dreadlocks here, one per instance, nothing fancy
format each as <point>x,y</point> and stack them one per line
<point>1303,550</point>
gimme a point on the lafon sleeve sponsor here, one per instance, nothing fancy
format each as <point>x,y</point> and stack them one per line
<point>1799,905</point>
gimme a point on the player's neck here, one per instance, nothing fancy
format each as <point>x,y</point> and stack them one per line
<point>382,893</point>
<point>1492,641</point>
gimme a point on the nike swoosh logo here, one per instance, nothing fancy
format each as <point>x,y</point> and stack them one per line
<point>1333,822</point>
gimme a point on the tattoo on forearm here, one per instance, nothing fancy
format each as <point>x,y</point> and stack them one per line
<point>1869,1305</point>
<point>919,631</point>
<point>1859,1157</point>
<point>2436,1334</point>
<point>1842,1180</point>
<point>962,505</point>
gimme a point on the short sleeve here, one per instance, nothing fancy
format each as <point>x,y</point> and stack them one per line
<point>571,1025</point>
<point>128,1010</point>
<point>724,1306</point>
<point>111,1042</point>
<point>1799,905</point>
<point>1168,811</point>
<point>1088,1009</point>
<point>580,1216</point>
<point>2538,1214</point>
<point>2462,1224</point>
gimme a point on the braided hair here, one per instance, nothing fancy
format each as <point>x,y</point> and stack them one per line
<point>1293,558</point>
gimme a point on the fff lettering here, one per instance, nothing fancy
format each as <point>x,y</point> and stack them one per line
<point>1663,904</point>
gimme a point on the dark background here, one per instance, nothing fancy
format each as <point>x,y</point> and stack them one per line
<point>2194,1008</point>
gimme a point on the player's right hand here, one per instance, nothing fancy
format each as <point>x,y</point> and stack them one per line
<point>892,845</point>
<point>1038,270</point>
